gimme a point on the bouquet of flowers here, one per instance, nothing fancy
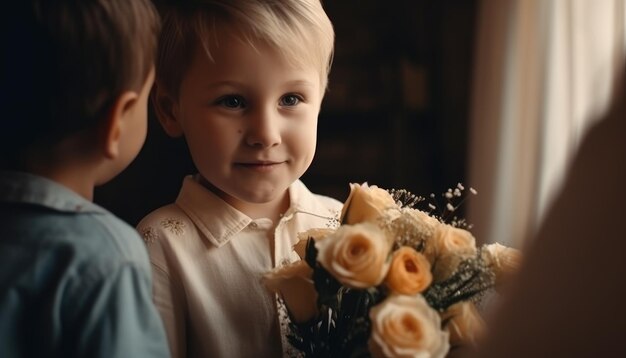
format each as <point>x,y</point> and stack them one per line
<point>388,281</point>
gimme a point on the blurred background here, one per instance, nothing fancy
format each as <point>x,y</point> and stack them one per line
<point>425,94</point>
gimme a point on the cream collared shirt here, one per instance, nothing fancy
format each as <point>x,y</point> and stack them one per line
<point>208,259</point>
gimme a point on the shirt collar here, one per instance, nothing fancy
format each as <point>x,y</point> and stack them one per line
<point>215,218</point>
<point>26,188</point>
<point>303,201</point>
<point>219,222</point>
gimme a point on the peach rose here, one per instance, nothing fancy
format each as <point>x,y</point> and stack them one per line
<point>409,272</point>
<point>294,284</point>
<point>365,203</point>
<point>405,326</point>
<point>502,259</point>
<point>464,323</point>
<point>452,245</point>
<point>356,255</point>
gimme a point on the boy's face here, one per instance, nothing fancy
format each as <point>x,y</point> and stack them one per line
<point>250,120</point>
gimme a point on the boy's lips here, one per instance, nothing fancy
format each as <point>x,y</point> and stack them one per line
<point>262,165</point>
<point>259,162</point>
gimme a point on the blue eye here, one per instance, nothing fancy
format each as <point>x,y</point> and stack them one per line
<point>290,100</point>
<point>231,101</point>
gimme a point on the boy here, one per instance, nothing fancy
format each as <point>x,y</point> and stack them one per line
<point>75,280</point>
<point>243,82</point>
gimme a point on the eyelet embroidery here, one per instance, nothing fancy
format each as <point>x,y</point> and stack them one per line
<point>149,235</point>
<point>175,226</point>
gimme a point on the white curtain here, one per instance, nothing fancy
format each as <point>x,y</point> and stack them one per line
<point>544,71</point>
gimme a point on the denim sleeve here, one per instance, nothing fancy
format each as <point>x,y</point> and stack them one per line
<point>115,316</point>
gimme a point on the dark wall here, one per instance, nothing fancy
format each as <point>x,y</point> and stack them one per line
<point>395,114</point>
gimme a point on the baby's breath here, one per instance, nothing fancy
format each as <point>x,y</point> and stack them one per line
<point>453,198</point>
<point>404,198</point>
<point>460,222</point>
<point>407,232</point>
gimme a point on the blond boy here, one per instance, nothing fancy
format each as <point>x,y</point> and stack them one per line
<point>243,82</point>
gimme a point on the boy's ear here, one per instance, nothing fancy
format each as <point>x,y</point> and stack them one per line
<point>111,129</point>
<point>166,110</point>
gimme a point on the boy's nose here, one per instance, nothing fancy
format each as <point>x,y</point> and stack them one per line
<point>263,129</point>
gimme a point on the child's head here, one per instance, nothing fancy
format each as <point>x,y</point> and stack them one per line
<point>243,82</point>
<point>300,30</point>
<point>68,66</point>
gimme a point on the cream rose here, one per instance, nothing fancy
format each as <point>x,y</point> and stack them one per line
<point>503,260</point>
<point>452,245</point>
<point>464,323</point>
<point>409,272</point>
<point>365,203</point>
<point>405,326</point>
<point>356,255</point>
<point>295,285</point>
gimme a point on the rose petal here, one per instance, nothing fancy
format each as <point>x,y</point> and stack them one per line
<point>294,284</point>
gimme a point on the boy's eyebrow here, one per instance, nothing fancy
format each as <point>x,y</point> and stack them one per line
<point>300,83</point>
<point>224,83</point>
<point>233,83</point>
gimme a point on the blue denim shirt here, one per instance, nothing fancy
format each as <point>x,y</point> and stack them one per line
<point>75,281</point>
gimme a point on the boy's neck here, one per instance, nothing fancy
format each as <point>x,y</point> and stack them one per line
<point>74,167</point>
<point>76,179</point>
<point>272,210</point>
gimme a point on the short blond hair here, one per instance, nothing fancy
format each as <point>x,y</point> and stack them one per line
<point>299,29</point>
